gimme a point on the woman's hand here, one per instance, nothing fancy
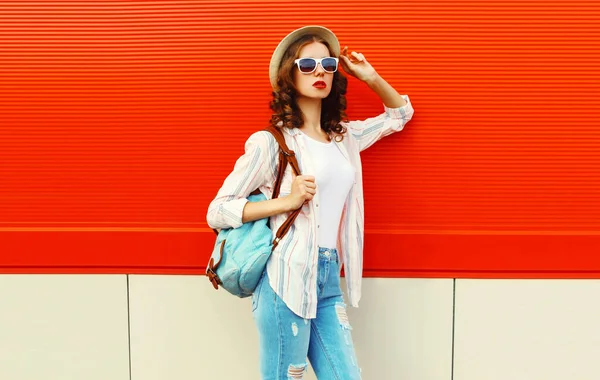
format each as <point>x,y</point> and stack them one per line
<point>356,65</point>
<point>304,189</point>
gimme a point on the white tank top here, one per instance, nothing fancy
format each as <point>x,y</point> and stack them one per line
<point>334,177</point>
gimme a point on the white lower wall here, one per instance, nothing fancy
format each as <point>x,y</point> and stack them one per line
<point>527,330</point>
<point>403,326</point>
<point>73,327</point>
<point>183,329</point>
<point>63,327</point>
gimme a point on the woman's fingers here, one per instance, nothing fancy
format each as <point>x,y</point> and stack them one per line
<point>356,55</point>
<point>309,178</point>
<point>309,187</point>
<point>345,61</point>
<point>304,186</point>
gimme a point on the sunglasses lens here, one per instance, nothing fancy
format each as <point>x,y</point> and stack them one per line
<point>329,64</point>
<point>307,65</point>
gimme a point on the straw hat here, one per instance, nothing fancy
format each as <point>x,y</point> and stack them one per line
<point>285,43</point>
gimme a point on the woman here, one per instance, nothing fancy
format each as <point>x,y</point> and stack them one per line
<point>298,305</point>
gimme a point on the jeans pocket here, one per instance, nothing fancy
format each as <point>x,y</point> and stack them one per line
<point>334,282</point>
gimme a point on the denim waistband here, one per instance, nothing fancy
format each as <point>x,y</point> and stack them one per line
<point>329,253</point>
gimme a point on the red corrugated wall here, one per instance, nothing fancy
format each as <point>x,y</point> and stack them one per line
<point>119,120</point>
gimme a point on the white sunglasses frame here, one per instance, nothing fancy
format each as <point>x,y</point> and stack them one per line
<point>318,60</point>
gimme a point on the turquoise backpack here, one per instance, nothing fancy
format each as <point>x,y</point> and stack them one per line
<point>240,255</point>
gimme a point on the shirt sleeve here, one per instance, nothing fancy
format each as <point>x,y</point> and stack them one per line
<point>371,130</point>
<point>252,170</point>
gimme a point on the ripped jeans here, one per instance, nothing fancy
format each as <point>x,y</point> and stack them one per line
<point>286,340</point>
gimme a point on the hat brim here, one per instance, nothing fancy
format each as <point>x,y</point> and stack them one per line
<point>285,43</point>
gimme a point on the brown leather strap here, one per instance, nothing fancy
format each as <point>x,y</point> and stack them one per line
<point>290,156</point>
<point>212,267</point>
<point>280,171</point>
<point>285,227</point>
<point>285,156</point>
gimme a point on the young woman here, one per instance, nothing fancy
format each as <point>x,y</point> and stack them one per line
<point>298,305</point>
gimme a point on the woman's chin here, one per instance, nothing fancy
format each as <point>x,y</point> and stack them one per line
<point>316,94</point>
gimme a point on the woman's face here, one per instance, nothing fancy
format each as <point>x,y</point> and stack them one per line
<point>311,85</point>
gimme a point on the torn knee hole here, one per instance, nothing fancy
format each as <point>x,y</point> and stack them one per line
<point>296,371</point>
<point>340,310</point>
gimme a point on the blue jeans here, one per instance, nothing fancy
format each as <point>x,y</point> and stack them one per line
<point>286,339</point>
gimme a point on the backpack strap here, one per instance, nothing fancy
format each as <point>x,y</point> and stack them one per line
<point>285,156</point>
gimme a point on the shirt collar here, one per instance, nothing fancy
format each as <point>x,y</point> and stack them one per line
<point>291,131</point>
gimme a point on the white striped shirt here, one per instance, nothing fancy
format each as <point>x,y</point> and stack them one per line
<point>292,268</point>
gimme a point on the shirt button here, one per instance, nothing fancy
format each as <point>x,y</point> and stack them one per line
<point>319,226</point>
<point>317,205</point>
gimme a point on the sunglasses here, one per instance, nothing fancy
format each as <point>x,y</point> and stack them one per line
<point>309,65</point>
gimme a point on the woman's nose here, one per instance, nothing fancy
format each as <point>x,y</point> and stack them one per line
<point>319,70</point>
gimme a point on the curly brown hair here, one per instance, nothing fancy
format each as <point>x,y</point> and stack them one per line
<point>284,105</point>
